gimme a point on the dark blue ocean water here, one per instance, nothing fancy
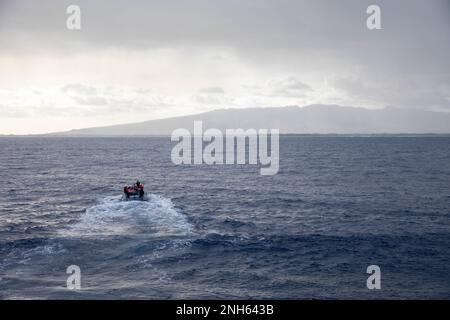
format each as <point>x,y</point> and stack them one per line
<point>337,205</point>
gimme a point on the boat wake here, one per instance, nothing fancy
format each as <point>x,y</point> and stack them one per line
<point>155,217</point>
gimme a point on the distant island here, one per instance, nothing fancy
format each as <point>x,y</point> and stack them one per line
<point>311,119</point>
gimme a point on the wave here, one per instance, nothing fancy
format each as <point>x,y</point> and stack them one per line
<point>156,217</point>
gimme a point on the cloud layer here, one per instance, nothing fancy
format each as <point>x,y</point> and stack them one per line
<point>139,60</point>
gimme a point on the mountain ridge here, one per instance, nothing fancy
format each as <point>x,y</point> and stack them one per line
<point>311,119</point>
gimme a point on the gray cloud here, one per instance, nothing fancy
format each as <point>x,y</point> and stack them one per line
<point>84,95</point>
<point>213,95</point>
<point>144,91</point>
<point>412,92</point>
<point>84,100</point>
<point>289,87</point>
<point>91,101</point>
<point>217,90</point>
<point>76,88</point>
<point>113,99</point>
<point>207,99</point>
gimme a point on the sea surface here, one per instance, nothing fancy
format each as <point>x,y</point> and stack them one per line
<point>337,205</point>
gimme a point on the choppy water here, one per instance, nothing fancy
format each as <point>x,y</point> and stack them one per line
<point>337,205</point>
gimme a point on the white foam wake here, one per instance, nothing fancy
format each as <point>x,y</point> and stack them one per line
<point>155,217</point>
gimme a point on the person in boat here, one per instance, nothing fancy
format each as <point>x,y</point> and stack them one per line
<point>139,187</point>
<point>136,189</point>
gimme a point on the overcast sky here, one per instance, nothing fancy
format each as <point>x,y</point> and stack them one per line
<point>140,60</point>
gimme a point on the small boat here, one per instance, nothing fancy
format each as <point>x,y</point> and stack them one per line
<point>135,191</point>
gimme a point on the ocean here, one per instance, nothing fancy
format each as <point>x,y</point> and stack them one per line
<point>337,205</point>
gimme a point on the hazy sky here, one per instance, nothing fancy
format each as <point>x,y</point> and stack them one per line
<point>140,60</point>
